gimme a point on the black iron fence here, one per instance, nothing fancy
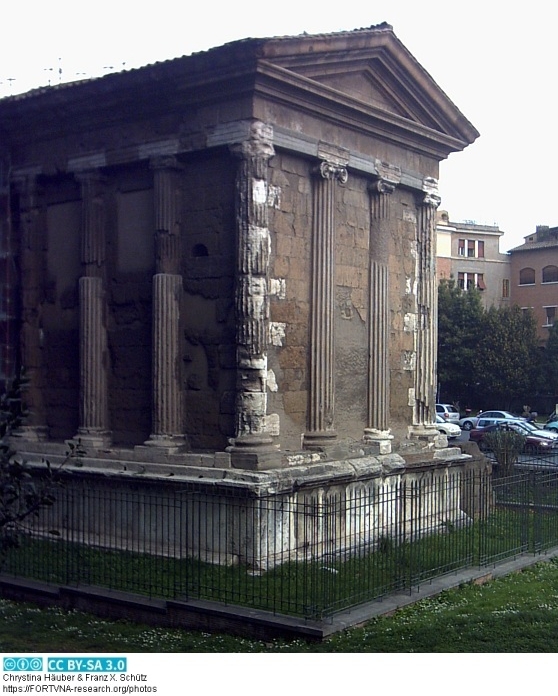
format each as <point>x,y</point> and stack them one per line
<point>307,553</point>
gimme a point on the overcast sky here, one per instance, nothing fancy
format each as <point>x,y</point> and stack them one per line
<point>494,59</point>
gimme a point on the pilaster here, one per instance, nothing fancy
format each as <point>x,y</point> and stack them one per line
<point>33,261</point>
<point>93,430</point>
<point>424,411</point>
<point>321,398</point>
<point>167,398</point>
<point>377,431</point>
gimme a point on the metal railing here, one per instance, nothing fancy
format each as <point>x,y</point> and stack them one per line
<point>306,554</point>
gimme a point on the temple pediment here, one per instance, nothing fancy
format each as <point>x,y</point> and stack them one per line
<point>372,69</point>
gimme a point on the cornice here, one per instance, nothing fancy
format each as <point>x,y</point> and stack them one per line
<point>326,103</point>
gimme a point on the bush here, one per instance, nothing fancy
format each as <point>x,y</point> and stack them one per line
<point>22,494</point>
<point>506,445</point>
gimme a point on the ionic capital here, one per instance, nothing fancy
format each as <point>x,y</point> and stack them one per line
<point>389,176</point>
<point>333,162</point>
<point>382,186</point>
<point>429,196</point>
<point>331,170</point>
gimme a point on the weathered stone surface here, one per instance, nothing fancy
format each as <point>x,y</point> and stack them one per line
<point>258,204</point>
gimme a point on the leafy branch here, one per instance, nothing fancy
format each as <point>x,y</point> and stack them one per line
<point>24,492</point>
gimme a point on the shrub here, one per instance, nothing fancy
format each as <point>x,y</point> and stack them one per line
<point>506,445</point>
<point>22,494</point>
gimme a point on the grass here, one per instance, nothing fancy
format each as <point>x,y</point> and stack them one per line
<point>517,614</point>
<point>311,588</point>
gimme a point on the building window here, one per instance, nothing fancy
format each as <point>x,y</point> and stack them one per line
<point>550,274</point>
<point>527,276</point>
<point>506,287</point>
<point>470,248</point>
<point>466,281</point>
<point>550,315</point>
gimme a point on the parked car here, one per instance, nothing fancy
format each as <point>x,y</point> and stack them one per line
<point>535,439</point>
<point>468,423</point>
<point>552,423</point>
<point>448,412</point>
<point>490,418</point>
<point>452,430</point>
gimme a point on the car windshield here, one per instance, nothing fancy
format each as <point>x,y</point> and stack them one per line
<point>527,426</point>
<point>518,427</point>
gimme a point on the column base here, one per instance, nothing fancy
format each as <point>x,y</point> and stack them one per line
<point>91,439</point>
<point>319,439</point>
<point>425,433</point>
<point>168,443</point>
<point>255,452</point>
<point>381,439</point>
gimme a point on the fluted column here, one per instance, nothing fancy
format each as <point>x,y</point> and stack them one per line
<point>252,297</point>
<point>424,412</point>
<point>32,260</point>
<point>167,396</point>
<point>377,431</point>
<point>321,394</point>
<point>93,431</point>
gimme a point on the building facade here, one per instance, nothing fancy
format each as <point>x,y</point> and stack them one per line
<point>534,277</point>
<point>233,252</point>
<point>470,253</point>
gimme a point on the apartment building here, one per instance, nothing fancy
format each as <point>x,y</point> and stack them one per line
<point>470,253</point>
<point>534,276</point>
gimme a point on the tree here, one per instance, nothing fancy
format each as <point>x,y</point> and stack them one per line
<point>550,361</point>
<point>506,445</point>
<point>23,494</point>
<point>460,314</point>
<point>506,358</point>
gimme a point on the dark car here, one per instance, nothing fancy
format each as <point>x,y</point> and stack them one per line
<point>535,440</point>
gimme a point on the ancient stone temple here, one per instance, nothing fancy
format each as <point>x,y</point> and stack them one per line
<point>227,260</point>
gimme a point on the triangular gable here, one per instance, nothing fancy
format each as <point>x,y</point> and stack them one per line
<point>372,66</point>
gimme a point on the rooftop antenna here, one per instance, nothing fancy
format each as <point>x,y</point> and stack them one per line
<point>48,70</point>
<point>59,71</point>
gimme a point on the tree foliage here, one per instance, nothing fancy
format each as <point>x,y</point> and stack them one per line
<point>23,494</point>
<point>507,355</point>
<point>459,317</point>
<point>550,360</point>
<point>486,358</point>
<point>506,445</point>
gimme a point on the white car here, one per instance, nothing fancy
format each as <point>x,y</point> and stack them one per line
<point>452,430</point>
<point>447,412</point>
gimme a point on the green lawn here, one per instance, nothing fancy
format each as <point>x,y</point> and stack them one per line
<point>518,613</point>
<point>312,589</point>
